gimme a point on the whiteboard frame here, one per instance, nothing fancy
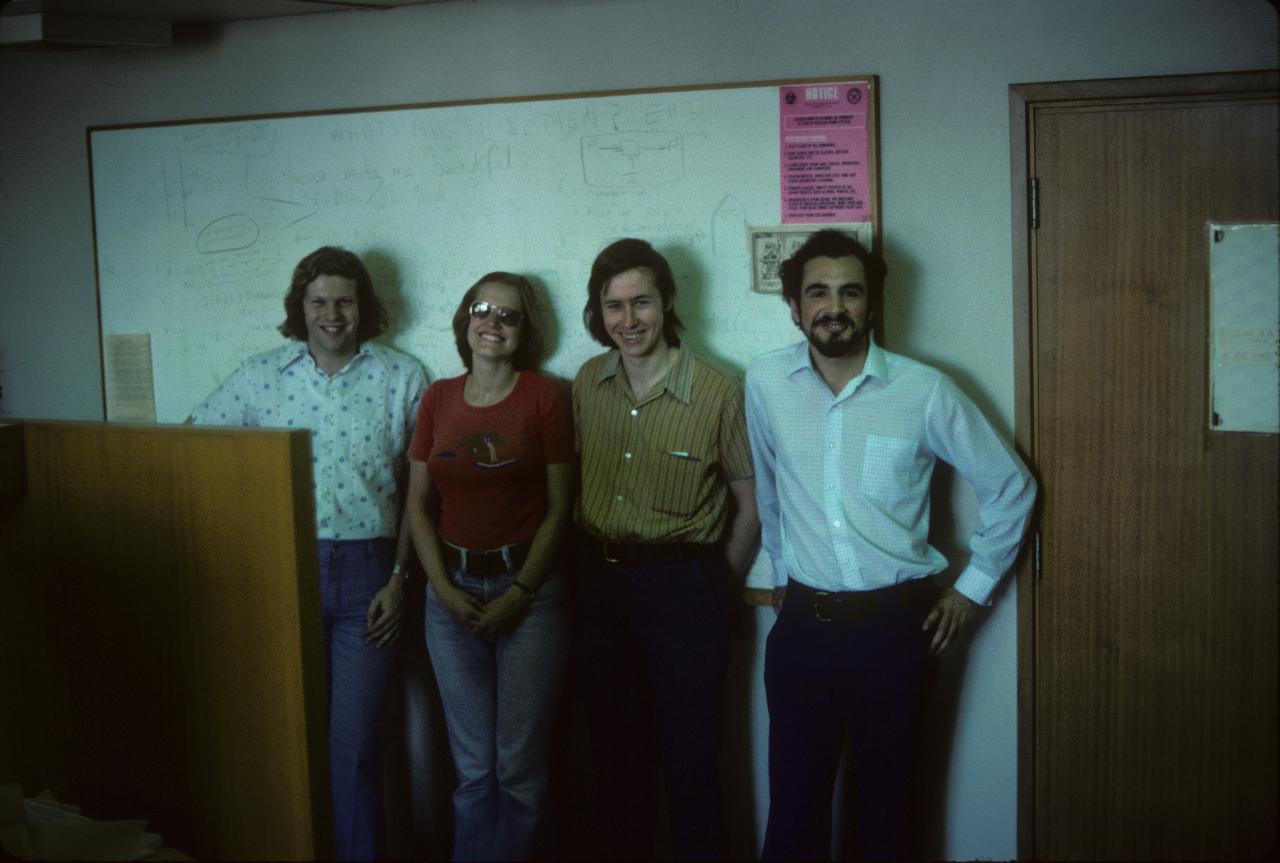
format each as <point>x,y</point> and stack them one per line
<point>872,132</point>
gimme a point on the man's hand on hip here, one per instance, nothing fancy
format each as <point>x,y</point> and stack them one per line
<point>948,618</point>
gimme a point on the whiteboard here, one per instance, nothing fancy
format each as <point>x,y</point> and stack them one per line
<point>198,225</point>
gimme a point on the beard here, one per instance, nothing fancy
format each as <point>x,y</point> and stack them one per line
<point>842,344</point>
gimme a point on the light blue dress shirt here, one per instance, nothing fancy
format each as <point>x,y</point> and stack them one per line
<point>361,420</point>
<point>842,481</point>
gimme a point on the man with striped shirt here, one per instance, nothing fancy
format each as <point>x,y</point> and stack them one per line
<point>668,527</point>
<point>845,436</point>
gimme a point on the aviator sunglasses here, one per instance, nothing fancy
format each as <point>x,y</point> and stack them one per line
<point>507,317</point>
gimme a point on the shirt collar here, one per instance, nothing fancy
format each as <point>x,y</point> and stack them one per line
<point>291,353</point>
<point>875,366</point>
<point>610,367</point>
<point>297,350</point>
<point>679,380</point>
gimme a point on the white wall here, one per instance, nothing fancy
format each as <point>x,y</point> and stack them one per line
<point>944,67</point>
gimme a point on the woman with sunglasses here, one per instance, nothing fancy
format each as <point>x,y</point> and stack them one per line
<point>490,487</point>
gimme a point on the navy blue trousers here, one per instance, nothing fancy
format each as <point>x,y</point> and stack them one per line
<point>651,654</point>
<point>858,682</point>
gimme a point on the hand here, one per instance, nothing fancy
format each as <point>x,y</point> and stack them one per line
<point>949,615</point>
<point>776,600</point>
<point>464,607</point>
<point>382,621</point>
<point>501,614</point>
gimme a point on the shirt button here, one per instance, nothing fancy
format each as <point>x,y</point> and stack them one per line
<point>635,413</point>
<point>835,523</point>
<point>626,455</point>
<point>618,498</point>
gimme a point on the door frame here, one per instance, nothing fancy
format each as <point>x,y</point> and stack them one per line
<point>1024,100</point>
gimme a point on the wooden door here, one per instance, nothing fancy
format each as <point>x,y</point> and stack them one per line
<point>1148,646</point>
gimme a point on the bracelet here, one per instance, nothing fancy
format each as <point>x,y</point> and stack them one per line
<point>527,591</point>
<point>399,570</point>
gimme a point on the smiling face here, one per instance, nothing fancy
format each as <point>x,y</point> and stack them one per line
<point>631,308</point>
<point>833,306</point>
<point>332,313</point>
<point>489,337</point>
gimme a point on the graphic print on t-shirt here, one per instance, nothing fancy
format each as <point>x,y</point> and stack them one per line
<point>484,444</point>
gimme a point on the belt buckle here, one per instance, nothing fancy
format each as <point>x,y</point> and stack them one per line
<point>818,597</point>
<point>479,564</point>
<point>608,558</point>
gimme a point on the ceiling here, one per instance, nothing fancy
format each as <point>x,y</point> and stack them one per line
<point>194,11</point>
<point>60,24</point>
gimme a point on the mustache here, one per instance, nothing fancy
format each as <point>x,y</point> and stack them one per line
<point>833,318</point>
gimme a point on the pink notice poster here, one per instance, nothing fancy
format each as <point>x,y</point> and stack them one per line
<point>823,131</point>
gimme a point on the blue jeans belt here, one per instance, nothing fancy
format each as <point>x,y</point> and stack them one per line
<point>842,606</point>
<point>484,562</point>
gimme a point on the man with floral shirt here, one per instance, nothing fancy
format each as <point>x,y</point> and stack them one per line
<point>359,401</point>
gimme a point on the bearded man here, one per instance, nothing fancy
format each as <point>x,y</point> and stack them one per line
<point>844,437</point>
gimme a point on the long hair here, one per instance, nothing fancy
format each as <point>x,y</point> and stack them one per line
<point>617,258</point>
<point>529,352</point>
<point>333,261</point>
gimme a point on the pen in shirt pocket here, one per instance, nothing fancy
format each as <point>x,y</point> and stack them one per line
<point>679,453</point>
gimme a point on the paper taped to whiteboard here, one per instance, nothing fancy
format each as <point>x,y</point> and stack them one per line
<point>131,392</point>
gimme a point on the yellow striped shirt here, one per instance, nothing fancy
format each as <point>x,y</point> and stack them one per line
<point>656,470</point>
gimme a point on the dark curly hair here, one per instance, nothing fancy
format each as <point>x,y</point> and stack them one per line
<point>529,352</point>
<point>333,261</point>
<point>617,258</point>
<point>830,243</point>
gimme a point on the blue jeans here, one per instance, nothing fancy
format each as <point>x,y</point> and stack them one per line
<point>357,674</point>
<point>499,701</point>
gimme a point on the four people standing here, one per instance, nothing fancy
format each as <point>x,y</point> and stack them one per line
<point>837,442</point>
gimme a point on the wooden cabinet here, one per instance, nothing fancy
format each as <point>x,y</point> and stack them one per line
<point>160,632</point>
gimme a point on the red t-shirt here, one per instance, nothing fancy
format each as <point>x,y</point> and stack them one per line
<point>490,463</point>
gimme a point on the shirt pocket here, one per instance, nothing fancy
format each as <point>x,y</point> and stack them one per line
<point>886,467</point>
<point>678,481</point>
